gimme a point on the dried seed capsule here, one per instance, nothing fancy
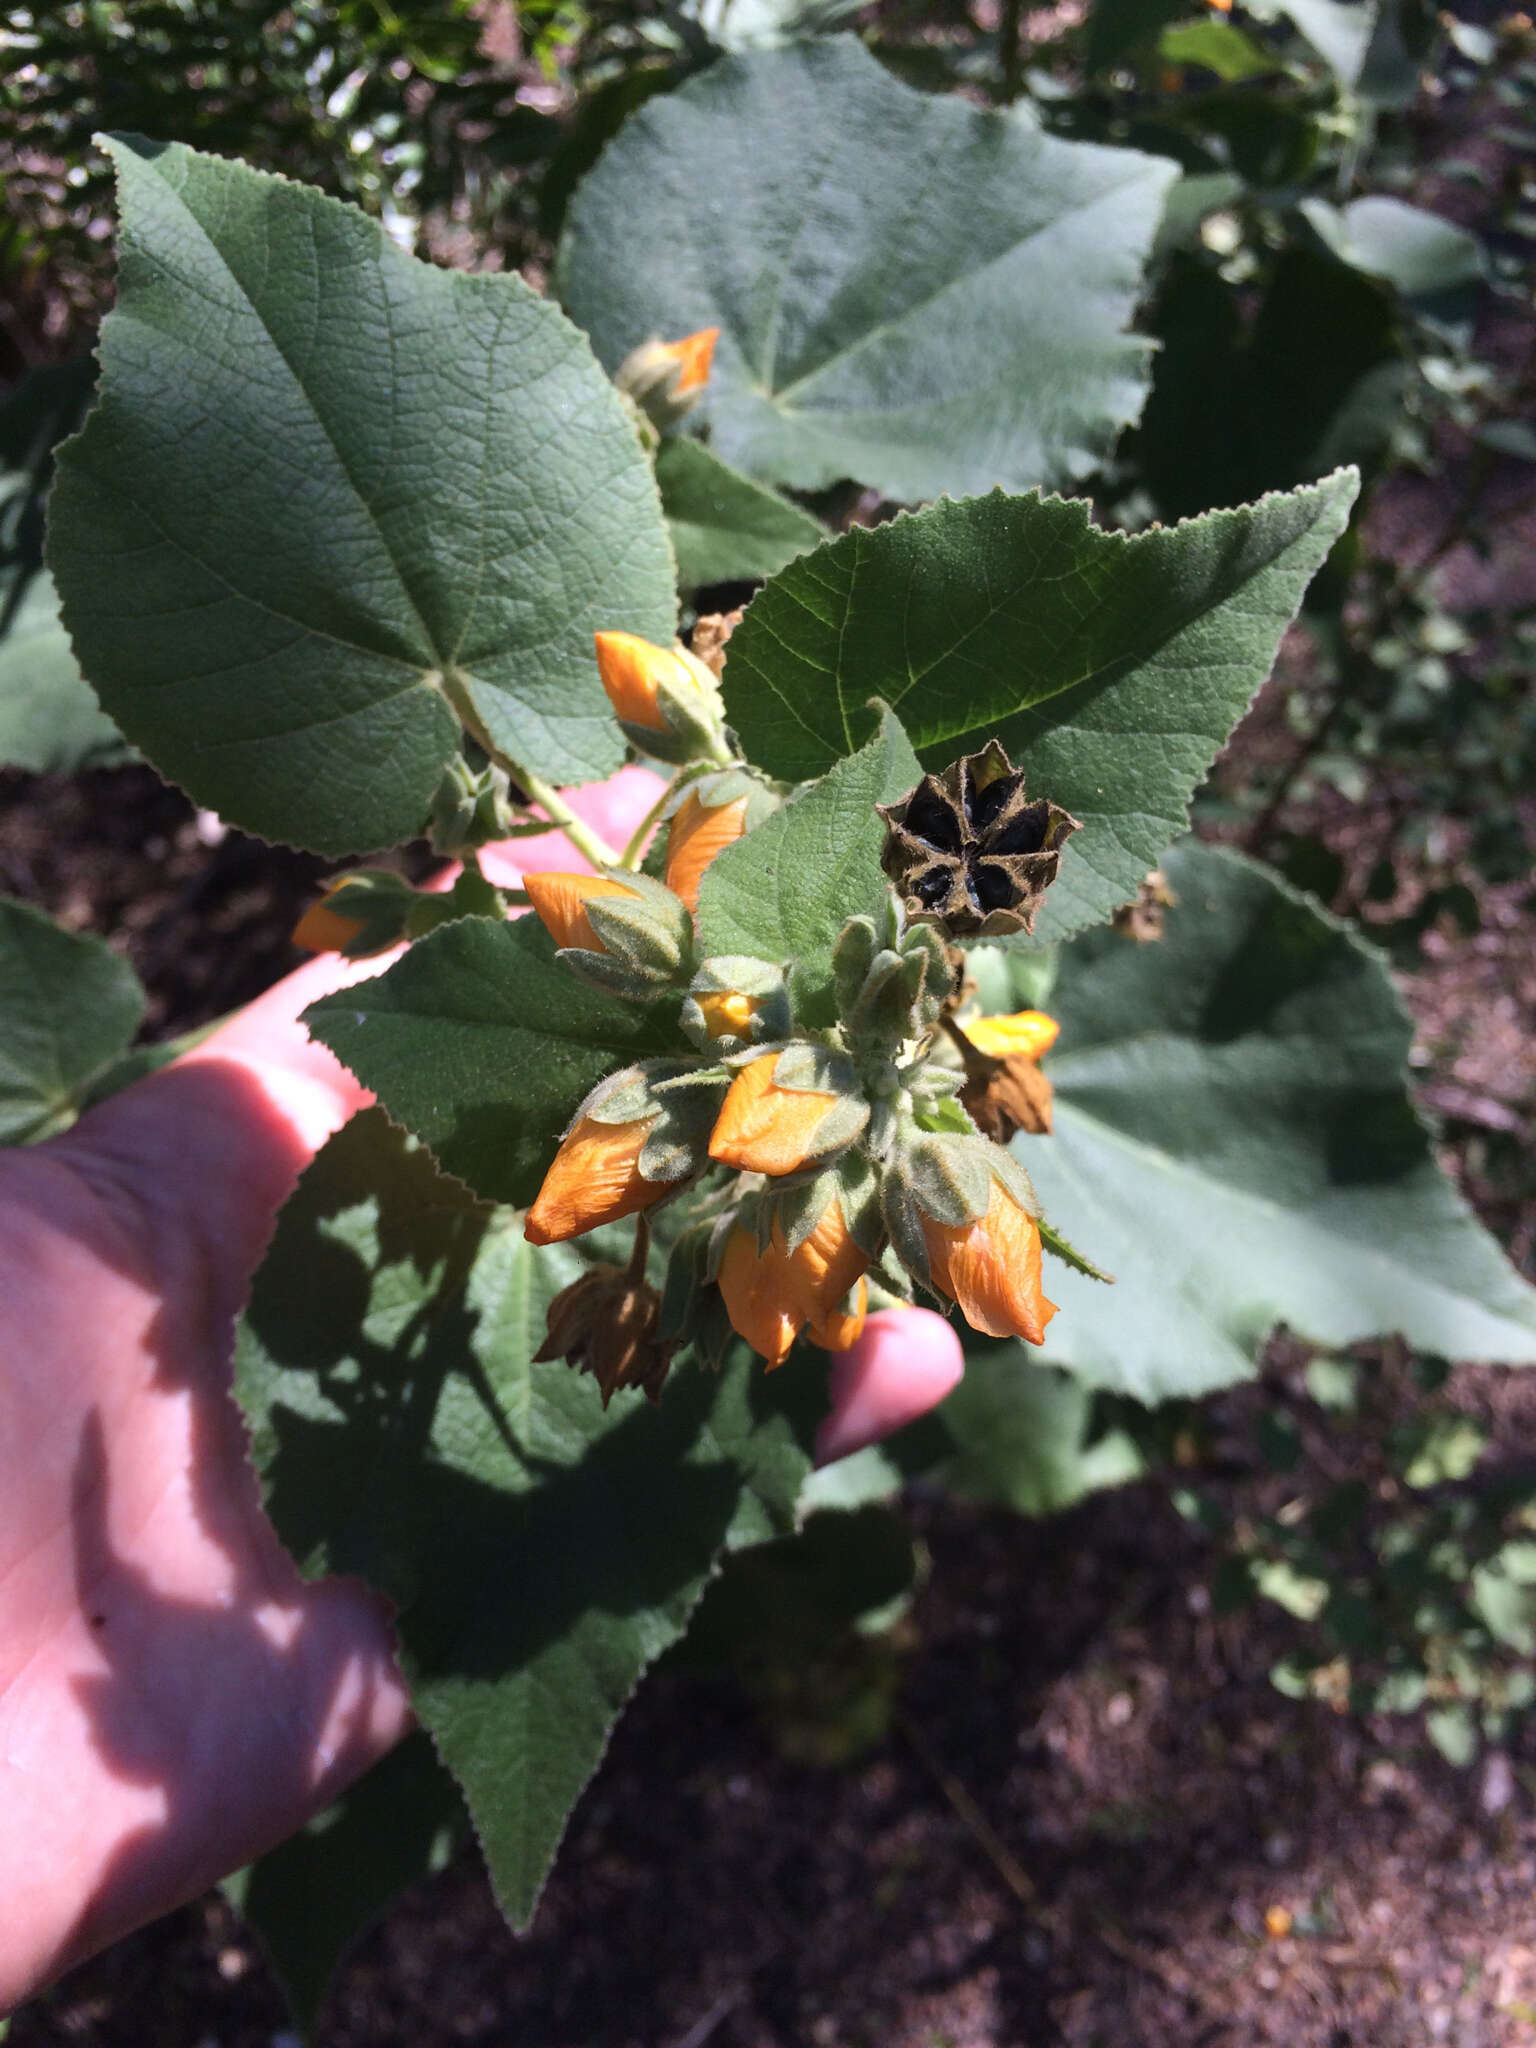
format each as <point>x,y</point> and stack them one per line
<point>969,852</point>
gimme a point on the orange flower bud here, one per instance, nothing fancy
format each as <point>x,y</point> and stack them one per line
<point>770,1296</point>
<point>693,356</point>
<point>757,1296</point>
<point>595,1178</point>
<point>321,930</point>
<point>839,1331</point>
<point>763,1128</point>
<point>697,833</point>
<point>561,902</point>
<point>632,669</point>
<point>727,1013</point>
<point>1029,1032</point>
<point>991,1268</point>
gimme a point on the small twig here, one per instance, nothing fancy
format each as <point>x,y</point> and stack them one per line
<point>701,2029</point>
<point>986,1837</point>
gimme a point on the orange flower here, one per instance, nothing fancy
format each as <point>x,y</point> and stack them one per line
<point>1030,1032</point>
<point>561,901</point>
<point>322,930</point>
<point>595,1178</point>
<point>693,356</point>
<point>770,1296</point>
<point>763,1128</point>
<point>632,671</point>
<point>991,1268</point>
<point>697,833</point>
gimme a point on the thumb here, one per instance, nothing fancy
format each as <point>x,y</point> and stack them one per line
<point>905,1362</point>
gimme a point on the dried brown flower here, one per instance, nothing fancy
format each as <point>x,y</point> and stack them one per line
<point>608,1323</point>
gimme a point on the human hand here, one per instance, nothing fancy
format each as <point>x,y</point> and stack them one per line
<point>174,1698</point>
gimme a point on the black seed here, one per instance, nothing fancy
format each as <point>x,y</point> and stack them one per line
<point>1025,833</point>
<point>987,803</point>
<point>930,819</point>
<point>993,887</point>
<point>932,886</point>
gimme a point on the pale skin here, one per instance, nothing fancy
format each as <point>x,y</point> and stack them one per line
<point>174,1698</point>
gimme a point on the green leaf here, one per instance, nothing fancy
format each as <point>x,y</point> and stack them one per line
<point>1111,666</point>
<point>329,497</point>
<point>1217,46</point>
<point>1020,1435</point>
<point>68,1009</point>
<point>725,528</point>
<point>314,1894</point>
<point>911,292</point>
<point>786,890</point>
<point>1234,1142</point>
<point>539,1553</point>
<point>50,721</point>
<point>482,1043</point>
<point>1419,254</point>
<point>1241,406</point>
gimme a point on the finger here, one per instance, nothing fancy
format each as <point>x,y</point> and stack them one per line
<point>905,1363</point>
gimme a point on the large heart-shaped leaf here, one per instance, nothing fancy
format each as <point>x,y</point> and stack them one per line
<point>785,891</point>
<point>910,291</point>
<point>329,499</point>
<point>1234,1142</point>
<point>50,721</point>
<point>68,1011</point>
<point>1112,666</point>
<point>481,1042</point>
<point>539,1552</point>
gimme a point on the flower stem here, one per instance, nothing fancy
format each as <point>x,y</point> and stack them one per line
<point>538,791</point>
<point>630,857</point>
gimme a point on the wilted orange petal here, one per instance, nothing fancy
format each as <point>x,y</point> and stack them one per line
<point>755,1288</point>
<point>838,1330</point>
<point>630,669</point>
<point>595,1178</point>
<point>697,833</point>
<point>693,356</point>
<point>727,1012</point>
<point>991,1269</point>
<point>765,1129</point>
<point>561,901</point>
<point>1030,1032</point>
<point>321,930</point>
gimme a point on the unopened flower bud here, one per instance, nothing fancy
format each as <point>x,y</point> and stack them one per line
<point>667,704</point>
<point>788,1108</point>
<point>961,1215</point>
<point>624,933</point>
<point>772,1293</point>
<point>734,1002</point>
<point>713,815</point>
<point>968,852</point>
<point>637,1137</point>
<point>665,378</point>
<point>358,915</point>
